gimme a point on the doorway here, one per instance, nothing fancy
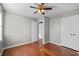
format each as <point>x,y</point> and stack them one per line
<point>41,32</point>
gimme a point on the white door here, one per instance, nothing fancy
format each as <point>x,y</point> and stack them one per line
<point>70,32</point>
<point>34,31</point>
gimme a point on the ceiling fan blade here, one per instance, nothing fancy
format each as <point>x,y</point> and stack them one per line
<point>42,3</point>
<point>33,7</point>
<point>47,8</point>
<point>35,12</point>
<point>39,4</point>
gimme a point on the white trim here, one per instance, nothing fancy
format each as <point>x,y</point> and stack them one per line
<point>55,43</point>
<point>16,45</point>
<point>1,52</point>
<point>45,42</point>
<point>33,41</point>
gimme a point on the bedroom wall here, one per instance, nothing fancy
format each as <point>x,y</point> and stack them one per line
<point>1,28</point>
<point>55,26</point>
<point>70,32</point>
<point>1,40</point>
<point>46,29</point>
<point>17,29</point>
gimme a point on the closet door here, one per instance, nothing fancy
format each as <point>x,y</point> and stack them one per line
<point>70,32</point>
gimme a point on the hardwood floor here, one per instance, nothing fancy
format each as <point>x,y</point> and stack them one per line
<point>59,50</point>
<point>36,49</point>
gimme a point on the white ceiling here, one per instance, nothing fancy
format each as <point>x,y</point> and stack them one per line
<point>23,9</point>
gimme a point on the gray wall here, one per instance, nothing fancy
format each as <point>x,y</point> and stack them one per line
<point>46,29</point>
<point>1,27</point>
<point>54,28</point>
<point>70,32</point>
<point>17,29</point>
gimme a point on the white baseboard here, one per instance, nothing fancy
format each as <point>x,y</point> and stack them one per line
<point>55,43</point>
<point>45,42</point>
<point>34,41</point>
<point>1,52</point>
<point>16,45</point>
<point>28,43</point>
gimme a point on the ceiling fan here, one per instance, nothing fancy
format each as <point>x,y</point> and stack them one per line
<point>41,8</point>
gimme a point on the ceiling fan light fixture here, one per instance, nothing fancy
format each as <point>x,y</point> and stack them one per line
<point>41,11</point>
<point>41,8</point>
